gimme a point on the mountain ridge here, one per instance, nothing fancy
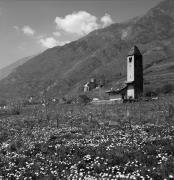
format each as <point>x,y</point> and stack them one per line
<point>102,55</point>
<point>5,71</point>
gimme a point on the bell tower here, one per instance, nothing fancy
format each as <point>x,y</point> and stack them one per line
<point>134,74</point>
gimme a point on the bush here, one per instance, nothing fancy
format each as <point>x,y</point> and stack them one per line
<point>167,89</point>
<point>150,93</point>
<point>15,107</point>
<point>83,99</point>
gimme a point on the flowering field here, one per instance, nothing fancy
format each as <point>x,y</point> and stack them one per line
<point>84,151</point>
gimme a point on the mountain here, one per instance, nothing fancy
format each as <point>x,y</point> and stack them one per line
<point>4,72</point>
<point>102,55</point>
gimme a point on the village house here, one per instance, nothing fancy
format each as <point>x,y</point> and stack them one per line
<point>92,84</point>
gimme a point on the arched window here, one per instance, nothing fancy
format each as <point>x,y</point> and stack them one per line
<point>130,59</point>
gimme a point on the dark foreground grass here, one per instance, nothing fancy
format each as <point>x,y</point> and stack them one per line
<point>70,144</point>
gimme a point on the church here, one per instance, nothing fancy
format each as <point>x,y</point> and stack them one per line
<point>133,87</point>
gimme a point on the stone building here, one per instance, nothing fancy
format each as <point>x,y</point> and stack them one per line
<point>134,74</point>
<point>86,87</point>
<point>92,84</point>
<point>133,88</point>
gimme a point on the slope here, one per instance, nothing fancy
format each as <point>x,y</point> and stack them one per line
<point>102,55</point>
<point>4,72</point>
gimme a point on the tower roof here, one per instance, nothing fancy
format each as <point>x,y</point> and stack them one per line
<point>134,51</point>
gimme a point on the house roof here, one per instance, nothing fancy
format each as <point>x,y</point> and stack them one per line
<point>134,51</point>
<point>114,92</point>
<point>111,92</point>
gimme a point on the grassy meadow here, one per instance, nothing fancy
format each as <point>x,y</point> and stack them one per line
<point>75,142</point>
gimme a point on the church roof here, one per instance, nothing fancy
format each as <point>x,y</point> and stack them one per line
<point>130,82</point>
<point>134,51</point>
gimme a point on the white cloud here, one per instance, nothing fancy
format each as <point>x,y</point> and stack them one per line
<point>16,28</point>
<point>62,43</point>
<point>50,42</point>
<point>106,20</point>
<point>57,34</point>
<point>80,23</point>
<point>28,30</point>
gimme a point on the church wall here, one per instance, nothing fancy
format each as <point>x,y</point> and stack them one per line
<point>130,92</point>
<point>138,77</point>
<point>130,68</point>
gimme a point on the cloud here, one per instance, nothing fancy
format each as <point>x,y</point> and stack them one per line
<point>28,31</point>
<point>57,34</point>
<point>50,42</point>
<point>62,43</point>
<point>106,20</point>
<point>80,23</point>
<point>16,28</point>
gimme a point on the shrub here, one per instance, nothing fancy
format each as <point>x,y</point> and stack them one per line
<point>83,99</point>
<point>3,136</point>
<point>167,89</point>
<point>150,93</point>
<point>15,107</point>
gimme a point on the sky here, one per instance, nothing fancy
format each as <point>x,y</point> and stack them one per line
<point>28,27</point>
